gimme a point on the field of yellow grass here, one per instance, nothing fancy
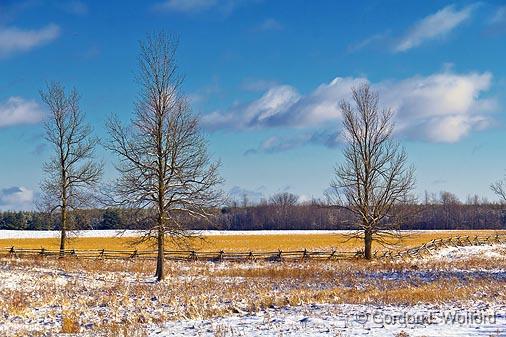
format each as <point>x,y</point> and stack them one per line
<point>236,243</point>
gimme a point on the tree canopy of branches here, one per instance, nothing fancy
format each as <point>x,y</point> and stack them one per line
<point>284,199</point>
<point>499,188</point>
<point>374,175</point>
<point>163,161</point>
<point>71,174</point>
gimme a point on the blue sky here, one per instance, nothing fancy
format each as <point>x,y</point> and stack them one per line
<point>266,78</point>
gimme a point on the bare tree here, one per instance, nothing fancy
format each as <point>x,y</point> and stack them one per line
<point>245,202</point>
<point>499,188</point>
<point>163,161</point>
<point>284,199</point>
<point>374,176</point>
<point>283,203</point>
<point>72,174</point>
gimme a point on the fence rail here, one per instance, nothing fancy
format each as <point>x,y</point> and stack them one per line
<point>294,255</point>
<point>429,248</point>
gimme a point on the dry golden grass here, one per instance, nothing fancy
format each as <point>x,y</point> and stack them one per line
<point>16,302</point>
<point>246,242</point>
<point>70,323</point>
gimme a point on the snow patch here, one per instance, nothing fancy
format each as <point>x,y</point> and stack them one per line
<point>497,251</point>
<point>27,234</point>
<point>106,233</point>
<point>350,320</point>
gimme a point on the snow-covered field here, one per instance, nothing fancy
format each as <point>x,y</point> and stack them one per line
<point>352,320</point>
<point>22,234</point>
<point>457,253</point>
<point>455,292</point>
<point>25,234</point>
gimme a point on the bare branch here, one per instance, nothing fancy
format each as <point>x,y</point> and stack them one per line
<point>163,161</point>
<point>71,174</point>
<point>374,176</point>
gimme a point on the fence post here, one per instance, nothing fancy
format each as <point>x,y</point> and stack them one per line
<point>332,254</point>
<point>12,251</point>
<point>193,256</point>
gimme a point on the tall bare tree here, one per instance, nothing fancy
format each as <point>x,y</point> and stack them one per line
<point>72,173</point>
<point>374,175</point>
<point>499,188</point>
<point>163,161</point>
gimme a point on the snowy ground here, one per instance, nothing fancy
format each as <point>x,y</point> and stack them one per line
<point>22,234</point>
<point>25,234</point>
<point>476,318</point>
<point>457,253</point>
<point>456,292</point>
<point>352,320</point>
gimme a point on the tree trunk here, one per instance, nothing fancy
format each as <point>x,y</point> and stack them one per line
<point>63,225</point>
<point>63,236</point>
<point>160,275</point>
<point>63,218</point>
<point>368,245</point>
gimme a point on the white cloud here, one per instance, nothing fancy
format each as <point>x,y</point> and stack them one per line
<point>322,104</point>
<point>275,102</point>
<point>16,198</point>
<point>274,144</point>
<point>17,110</point>
<point>282,105</point>
<point>442,107</point>
<point>14,40</point>
<point>434,26</point>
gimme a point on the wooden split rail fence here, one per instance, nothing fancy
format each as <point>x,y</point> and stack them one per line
<point>294,255</point>
<point>188,255</point>
<point>432,246</point>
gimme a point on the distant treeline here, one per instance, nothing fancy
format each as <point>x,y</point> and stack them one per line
<point>283,212</point>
